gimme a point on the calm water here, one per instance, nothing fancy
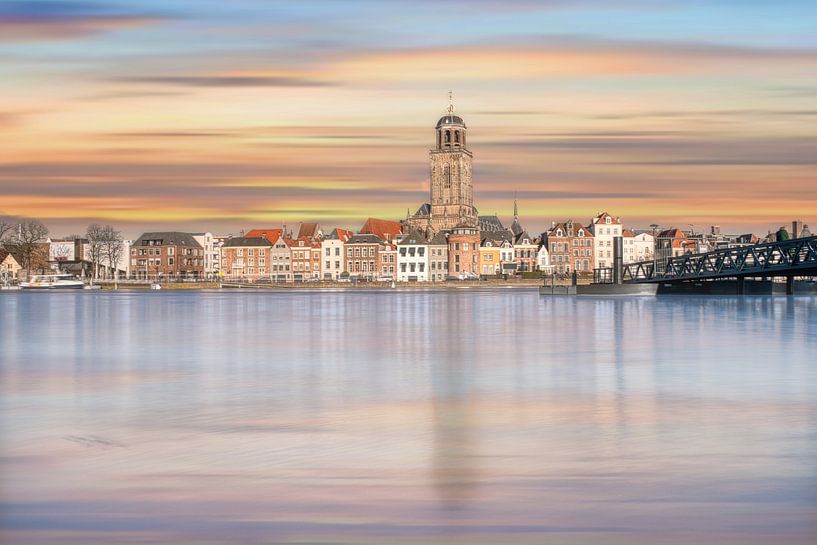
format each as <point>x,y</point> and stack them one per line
<point>406,417</point>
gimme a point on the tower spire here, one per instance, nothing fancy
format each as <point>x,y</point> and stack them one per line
<point>515,208</point>
<point>451,102</point>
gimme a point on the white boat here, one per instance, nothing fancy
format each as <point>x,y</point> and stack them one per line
<point>52,282</point>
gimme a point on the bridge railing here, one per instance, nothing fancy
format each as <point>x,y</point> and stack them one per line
<point>767,259</point>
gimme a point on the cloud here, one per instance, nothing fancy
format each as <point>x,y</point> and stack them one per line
<point>231,81</point>
<point>48,20</point>
<point>561,56</point>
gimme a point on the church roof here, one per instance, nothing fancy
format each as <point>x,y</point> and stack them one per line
<point>490,223</point>
<point>516,227</point>
<point>449,119</point>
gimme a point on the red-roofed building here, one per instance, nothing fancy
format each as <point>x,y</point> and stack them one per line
<point>270,234</point>
<point>305,259</point>
<point>383,229</point>
<point>310,231</point>
<point>332,259</point>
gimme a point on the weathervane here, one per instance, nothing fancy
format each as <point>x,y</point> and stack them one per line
<point>450,102</point>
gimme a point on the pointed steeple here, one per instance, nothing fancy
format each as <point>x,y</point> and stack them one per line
<point>516,228</point>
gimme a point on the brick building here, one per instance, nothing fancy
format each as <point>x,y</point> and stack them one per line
<point>168,255</point>
<point>463,252</point>
<point>571,247</point>
<point>361,255</point>
<point>246,258</point>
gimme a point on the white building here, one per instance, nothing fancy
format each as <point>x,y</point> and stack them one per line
<point>438,257</point>
<point>543,258</point>
<point>212,252</point>
<point>638,247</point>
<point>604,228</point>
<point>413,258</point>
<point>332,253</point>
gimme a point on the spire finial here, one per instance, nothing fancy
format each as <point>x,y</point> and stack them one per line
<point>515,207</point>
<point>451,102</point>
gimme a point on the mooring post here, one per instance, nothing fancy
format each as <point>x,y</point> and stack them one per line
<point>789,285</point>
<point>618,260</point>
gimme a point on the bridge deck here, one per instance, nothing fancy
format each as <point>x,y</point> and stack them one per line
<point>796,257</point>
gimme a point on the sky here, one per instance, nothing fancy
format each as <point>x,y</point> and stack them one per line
<point>226,116</point>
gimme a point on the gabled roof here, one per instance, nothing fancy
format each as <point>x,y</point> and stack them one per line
<point>364,238</point>
<point>339,234</point>
<point>270,234</point>
<point>15,254</point>
<point>383,229</point>
<point>308,230</point>
<point>301,243</point>
<point>601,217</point>
<point>672,233</point>
<point>497,237</point>
<point>565,232</point>
<point>424,210</point>
<point>521,236</point>
<point>168,238</point>
<point>440,239</point>
<point>413,237</point>
<point>247,241</point>
<point>626,233</point>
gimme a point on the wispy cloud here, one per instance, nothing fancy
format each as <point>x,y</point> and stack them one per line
<point>52,20</point>
<point>230,81</point>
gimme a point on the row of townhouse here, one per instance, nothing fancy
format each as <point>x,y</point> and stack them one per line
<point>381,250</point>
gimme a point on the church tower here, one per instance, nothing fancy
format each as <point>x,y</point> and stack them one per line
<point>452,195</point>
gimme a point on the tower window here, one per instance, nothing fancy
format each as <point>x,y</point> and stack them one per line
<point>457,137</point>
<point>447,137</point>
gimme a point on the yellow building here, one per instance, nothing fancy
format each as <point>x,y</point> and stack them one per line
<point>489,258</point>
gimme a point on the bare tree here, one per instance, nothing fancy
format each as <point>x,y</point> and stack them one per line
<point>112,248</point>
<point>6,225</point>
<point>31,233</point>
<point>96,247</point>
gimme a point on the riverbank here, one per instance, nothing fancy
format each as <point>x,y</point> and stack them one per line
<point>455,284</point>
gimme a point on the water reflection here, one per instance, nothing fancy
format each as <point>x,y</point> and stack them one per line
<point>412,417</point>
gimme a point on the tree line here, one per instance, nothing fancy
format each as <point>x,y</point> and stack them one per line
<point>104,246</point>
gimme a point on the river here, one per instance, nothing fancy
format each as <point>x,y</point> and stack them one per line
<point>406,417</point>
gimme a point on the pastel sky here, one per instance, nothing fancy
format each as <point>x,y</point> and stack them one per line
<point>206,114</point>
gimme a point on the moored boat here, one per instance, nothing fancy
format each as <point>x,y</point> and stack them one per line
<point>52,281</point>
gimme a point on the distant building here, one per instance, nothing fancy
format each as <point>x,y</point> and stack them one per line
<point>463,252</point>
<point>246,258</point>
<point>524,246</point>
<point>451,190</point>
<point>332,259</point>
<point>387,260</point>
<point>571,247</point>
<point>382,229</point>
<point>212,254</point>
<point>672,243</point>
<point>604,228</point>
<point>542,257</point>
<point>438,257</point>
<point>310,231</point>
<point>413,258</point>
<point>305,258</point>
<point>361,255</point>
<point>640,247</point>
<point>166,254</point>
<point>11,263</point>
<point>490,257</point>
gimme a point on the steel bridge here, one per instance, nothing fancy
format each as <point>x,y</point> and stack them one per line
<point>790,258</point>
